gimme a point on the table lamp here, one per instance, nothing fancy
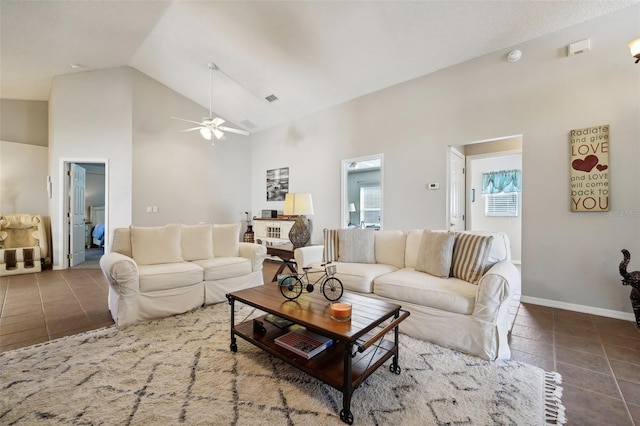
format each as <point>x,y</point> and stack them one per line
<point>298,205</point>
<point>352,209</point>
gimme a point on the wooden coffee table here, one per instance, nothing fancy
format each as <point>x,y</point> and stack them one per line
<point>359,347</point>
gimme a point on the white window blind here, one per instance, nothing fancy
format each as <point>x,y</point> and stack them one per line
<point>501,204</point>
<point>370,205</point>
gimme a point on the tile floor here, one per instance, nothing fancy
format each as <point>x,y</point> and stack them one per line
<point>599,358</point>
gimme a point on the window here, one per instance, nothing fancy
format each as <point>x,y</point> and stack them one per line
<point>501,204</point>
<point>370,205</point>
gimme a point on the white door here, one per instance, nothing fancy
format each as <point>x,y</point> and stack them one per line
<point>456,190</point>
<point>77,213</point>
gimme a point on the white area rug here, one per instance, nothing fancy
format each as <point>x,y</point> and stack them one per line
<point>180,370</point>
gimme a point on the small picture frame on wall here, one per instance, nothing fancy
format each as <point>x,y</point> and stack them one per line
<point>277,184</point>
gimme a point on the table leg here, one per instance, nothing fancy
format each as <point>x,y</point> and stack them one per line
<point>394,367</point>
<point>233,346</point>
<point>285,263</point>
<point>345,414</point>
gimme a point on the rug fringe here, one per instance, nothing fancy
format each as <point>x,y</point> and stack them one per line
<point>554,412</point>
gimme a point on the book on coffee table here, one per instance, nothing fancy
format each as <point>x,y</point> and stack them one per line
<point>304,343</point>
<point>278,321</point>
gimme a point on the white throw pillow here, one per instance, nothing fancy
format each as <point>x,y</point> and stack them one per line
<point>389,247</point>
<point>197,242</point>
<point>226,240</point>
<point>435,253</point>
<point>154,245</point>
<point>356,246</point>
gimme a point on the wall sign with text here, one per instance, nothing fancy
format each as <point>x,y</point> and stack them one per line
<point>590,169</point>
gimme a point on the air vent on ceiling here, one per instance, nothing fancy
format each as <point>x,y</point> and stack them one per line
<point>271,98</point>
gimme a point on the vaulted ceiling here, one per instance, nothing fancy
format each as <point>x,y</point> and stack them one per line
<point>310,54</point>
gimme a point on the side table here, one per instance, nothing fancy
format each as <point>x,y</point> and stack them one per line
<point>285,253</point>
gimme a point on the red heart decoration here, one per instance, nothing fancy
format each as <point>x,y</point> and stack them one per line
<point>585,165</point>
<point>601,167</point>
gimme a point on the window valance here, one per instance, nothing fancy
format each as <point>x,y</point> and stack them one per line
<point>505,181</point>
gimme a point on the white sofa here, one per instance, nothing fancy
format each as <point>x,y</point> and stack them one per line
<point>472,317</point>
<point>155,272</point>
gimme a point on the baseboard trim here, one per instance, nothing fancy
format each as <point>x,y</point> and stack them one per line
<point>609,313</point>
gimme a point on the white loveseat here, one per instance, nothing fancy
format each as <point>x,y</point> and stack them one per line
<point>155,272</point>
<point>473,317</point>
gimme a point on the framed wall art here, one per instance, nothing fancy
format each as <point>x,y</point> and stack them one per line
<point>590,169</point>
<point>277,184</point>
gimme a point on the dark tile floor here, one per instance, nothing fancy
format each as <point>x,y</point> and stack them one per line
<point>599,358</point>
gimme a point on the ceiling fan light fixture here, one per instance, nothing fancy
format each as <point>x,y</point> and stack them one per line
<point>212,126</point>
<point>206,133</point>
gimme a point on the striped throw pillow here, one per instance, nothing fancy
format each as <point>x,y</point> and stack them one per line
<point>470,253</point>
<point>330,253</point>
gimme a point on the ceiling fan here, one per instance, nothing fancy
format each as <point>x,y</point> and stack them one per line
<point>212,126</point>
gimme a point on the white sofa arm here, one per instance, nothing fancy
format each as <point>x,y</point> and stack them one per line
<point>121,272</point>
<point>496,286</point>
<point>307,256</point>
<point>254,252</point>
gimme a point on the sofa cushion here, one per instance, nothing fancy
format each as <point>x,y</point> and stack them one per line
<point>226,240</point>
<point>470,253</point>
<point>408,285</point>
<point>168,276</point>
<point>356,246</point>
<point>158,244</point>
<point>389,247</point>
<point>435,253</point>
<point>196,242</point>
<point>414,238</point>
<point>357,276</point>
<point>220,268</point>
<point>122,241</point>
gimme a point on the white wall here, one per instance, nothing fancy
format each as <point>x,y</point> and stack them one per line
<point>510,225</point>
<point>189,180</point>
<point>23,177</point>
<point>24,121</point>
<point>90,117</point>
<point>567,257</point>
<point>122,117</point>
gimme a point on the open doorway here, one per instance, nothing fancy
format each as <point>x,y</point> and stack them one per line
<point>86,211</point>
<point>494,210</point>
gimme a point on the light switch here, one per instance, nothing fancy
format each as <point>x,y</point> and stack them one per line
<point>155,209</point>
<point>149,210</point>
<point>433,186</point>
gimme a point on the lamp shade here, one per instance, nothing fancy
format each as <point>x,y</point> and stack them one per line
<point>352,207</point>
<point>298,204</point>
<point>634,47</point>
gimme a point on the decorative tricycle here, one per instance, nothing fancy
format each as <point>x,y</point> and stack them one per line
<point>291,285</point>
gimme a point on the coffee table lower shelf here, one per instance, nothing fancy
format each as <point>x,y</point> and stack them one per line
<point>329,365</point>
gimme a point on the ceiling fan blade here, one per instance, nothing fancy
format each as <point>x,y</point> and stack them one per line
<point>218,133</point>
<point>191,129</point>
<point>232,130</point>
<point>217,121</point>
<point>188,121</point>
